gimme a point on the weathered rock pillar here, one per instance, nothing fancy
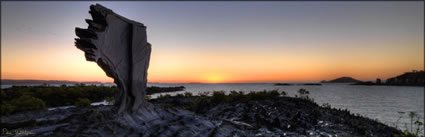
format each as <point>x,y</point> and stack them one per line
<point>119,46</point>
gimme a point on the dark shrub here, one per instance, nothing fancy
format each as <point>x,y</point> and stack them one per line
<point>263,95</point>
<point>27,102</point>
<point>237,96</point>
<point>188,94</point>
<point>82,102</point>
<point>179,95</point>
<point>6,109</point>
<point>219,97</point>
<point>198,104</point>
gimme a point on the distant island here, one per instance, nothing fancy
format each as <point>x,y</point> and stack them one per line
<point>289,84</point>
<point>344,79</point>
<point>312,84</point>
<point>283,84</point>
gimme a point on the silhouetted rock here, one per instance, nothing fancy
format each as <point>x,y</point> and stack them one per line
<point>343,80</point>
<point>119,46</point>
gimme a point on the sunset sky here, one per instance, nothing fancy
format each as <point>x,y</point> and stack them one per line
<point>222,42</point>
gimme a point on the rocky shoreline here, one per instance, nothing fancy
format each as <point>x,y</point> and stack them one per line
<point>288,116</point>
<point>177,116</point>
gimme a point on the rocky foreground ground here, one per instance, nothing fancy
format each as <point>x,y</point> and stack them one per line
<point>198,116</point>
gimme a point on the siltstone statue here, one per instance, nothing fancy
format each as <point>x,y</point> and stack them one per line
<point>119,46</point>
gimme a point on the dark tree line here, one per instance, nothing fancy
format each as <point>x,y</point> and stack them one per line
<point>22,98</point>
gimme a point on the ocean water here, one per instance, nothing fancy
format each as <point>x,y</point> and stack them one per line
<point>381,103</point>
<point>376,102</point>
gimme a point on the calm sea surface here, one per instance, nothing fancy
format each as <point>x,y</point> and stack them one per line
<point>376,102</point>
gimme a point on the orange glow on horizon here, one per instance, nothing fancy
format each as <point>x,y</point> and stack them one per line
<point>215,78</point>
<point>181,68</point>
<point>168,66</point>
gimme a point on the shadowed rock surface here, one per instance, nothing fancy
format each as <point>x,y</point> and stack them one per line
<point>286,116</point>
<point>119,46</point>
<point>149,120</point>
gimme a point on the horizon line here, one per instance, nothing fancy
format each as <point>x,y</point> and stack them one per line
<point>293,82</point>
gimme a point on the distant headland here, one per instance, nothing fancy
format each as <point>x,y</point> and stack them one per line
<point>413,78</point>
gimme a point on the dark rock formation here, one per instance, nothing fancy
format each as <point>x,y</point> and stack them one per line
<point>119,46</point>
<point>102,121</point>
<point>342,80</point>
<point>287,116</point>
